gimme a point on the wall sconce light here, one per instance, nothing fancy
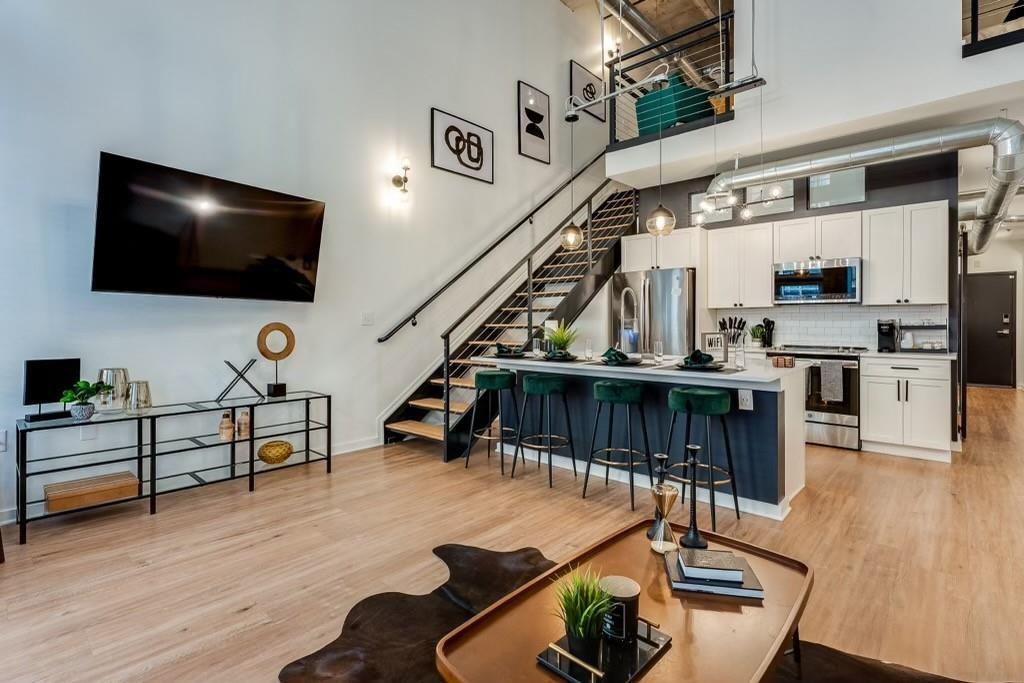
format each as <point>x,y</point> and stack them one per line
<point>402,181</point>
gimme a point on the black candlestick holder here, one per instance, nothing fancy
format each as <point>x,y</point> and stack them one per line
<point>660,470</point>
<point>693,539</point>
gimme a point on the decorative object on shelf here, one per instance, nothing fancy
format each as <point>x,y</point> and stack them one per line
<point>582,605</point>
<point>664,496</point>
<point>275,452</point>
<point>461,147</point>
<point>226,431</point>
<point>79,493</point>
<point>112,399</point>
<point>79,396</point>
<point>239,377</point>
<point>277,389</point>
<point>584,87</point>
<point>534,126</point>
<point>560,338</point>
<point>45,381</point>
<point>401,182</point>
<point>623,615</point>
<point>693,539</point>
<point>243,424</point>
<point>139,398</point>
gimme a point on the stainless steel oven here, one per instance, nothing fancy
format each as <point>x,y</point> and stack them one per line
<point>830,423</point>
<point>822,281</point>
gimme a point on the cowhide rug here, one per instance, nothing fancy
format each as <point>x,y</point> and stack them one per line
<point>392,636</point>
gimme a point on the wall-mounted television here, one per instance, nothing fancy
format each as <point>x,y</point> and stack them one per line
<point>161,230</point>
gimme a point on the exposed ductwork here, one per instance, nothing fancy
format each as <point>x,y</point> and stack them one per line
<point>1004,135</point>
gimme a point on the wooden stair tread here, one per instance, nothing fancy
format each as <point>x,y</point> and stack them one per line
<point>416,428</point>
<point>460,382</point>
<point>558,278</point>
<point>492,342</point>
<point>438,404</point>
<point>467,361</point>
<point>523,309</point>
<point>507,326</point>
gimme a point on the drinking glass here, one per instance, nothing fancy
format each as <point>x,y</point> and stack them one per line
<point>659,351</point>
<point>538,348</point>
<point>588,352</point>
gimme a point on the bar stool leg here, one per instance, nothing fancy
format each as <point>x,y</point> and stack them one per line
<point>668,449</point>
<point>540,424</point>
<point>501,435</point>
<point>593,442</point>
<point>611,418</point>
<point>728,461</point>
<point>519,439</point>
<point>472,423</point>
<point>490,423</point>
<point>547,410</point>
<point>515,409</point>
<point>647,444</point>
<point>711,473</point>
<point>629,457</point>
<point>568,430</point>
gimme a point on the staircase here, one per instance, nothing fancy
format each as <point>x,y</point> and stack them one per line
<point>558,289</point>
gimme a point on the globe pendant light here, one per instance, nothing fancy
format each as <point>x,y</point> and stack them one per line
<point>571,236</point>
<point>661,221</point>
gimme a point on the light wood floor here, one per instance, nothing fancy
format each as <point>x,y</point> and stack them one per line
<point>916,562</point>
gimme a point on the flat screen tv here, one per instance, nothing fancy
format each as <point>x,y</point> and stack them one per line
<point>160,230</point>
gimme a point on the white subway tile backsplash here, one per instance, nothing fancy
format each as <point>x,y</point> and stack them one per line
<point>833,324</point>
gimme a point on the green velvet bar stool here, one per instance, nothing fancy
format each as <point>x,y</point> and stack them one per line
<point>629,395</point>
<point>493,382</point>
<point>709,402</point>
<point>544,386</point>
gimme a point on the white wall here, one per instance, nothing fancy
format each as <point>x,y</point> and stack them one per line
<point>318,98</point>
<point>837,68</point>
<point>1005,255</point>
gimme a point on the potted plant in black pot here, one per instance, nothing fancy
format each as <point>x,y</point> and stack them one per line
<point>582,604</point>
<point>79,396</point>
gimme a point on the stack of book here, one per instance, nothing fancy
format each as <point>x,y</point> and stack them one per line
<point>718,572</point>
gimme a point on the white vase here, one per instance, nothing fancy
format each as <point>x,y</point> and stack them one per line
<point>82,411</point>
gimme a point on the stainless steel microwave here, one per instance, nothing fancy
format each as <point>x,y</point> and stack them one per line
<point>825,281</point>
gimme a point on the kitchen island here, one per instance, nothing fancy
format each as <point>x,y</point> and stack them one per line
<point>767,440</point>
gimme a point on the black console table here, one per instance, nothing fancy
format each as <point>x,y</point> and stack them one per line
<point>148,447</point>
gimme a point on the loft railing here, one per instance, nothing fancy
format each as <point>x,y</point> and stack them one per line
<point>697,60</point>
<point>991,24</point>
<point>528,217</point>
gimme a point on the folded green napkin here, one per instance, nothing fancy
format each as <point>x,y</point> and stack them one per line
<point>506,350</point>
<point>698,357</point>
<point>613,356</point>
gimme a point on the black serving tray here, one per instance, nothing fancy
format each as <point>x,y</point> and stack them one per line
<point>521,354</point>
<point>710,367</point>
<point>561,359</point>
<point>620,664</point>
<point>628,361</point>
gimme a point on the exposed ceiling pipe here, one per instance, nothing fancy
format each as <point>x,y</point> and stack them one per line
<point>638,25</point>
<point>1004,135</point>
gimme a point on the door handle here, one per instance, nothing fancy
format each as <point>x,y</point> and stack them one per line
<point>1003,333</point>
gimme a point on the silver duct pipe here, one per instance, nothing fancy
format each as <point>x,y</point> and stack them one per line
<point>1004,135</point>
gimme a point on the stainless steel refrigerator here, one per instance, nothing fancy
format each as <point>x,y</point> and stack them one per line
<point>654,305</point>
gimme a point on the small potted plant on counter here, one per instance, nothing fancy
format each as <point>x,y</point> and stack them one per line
<point>80,394</point>
<point>561,338</point>
<point>757,334</point>
<point>582,604</point>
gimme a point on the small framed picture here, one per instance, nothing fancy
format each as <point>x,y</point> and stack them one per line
<point>461,146</point>
<point>586,87</point>
<point>534,126</point>
<point>713,344</point>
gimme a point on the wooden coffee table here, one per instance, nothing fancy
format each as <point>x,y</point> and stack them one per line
<point>713,638</point>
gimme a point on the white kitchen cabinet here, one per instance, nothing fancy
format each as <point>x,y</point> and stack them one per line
<point>637,253</point>
<point>881,409</point>
<point>836,235</point>
<point>926,417</point>
<point>740,267</point>
<point>646,252</point>
<point>906,254</point>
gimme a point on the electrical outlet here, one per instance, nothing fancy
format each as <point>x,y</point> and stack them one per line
<point>87,432</point>
<point>746,399</point>
<point>367,319</point>
<point>3,440</point>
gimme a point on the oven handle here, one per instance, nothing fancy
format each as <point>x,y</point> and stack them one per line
<point>852,365</point>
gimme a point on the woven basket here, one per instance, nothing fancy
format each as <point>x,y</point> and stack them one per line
<point>275,452</point>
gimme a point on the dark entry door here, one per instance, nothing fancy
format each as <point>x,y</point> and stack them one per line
<point>990,305</point>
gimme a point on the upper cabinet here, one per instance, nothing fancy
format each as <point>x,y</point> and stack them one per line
<point>645,252</point>
<point>740,267</point>
<point>836,235</point>
<point>906,254</point>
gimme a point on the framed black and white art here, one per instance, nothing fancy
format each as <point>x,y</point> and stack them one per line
<point>460,146</point>
<point>534,112</point>
<point>586,87</point>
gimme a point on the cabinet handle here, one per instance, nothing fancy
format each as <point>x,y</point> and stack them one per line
<point>898,397</point>
<point>906,301</point>
<point>906,392</point>
<point>902,367</point>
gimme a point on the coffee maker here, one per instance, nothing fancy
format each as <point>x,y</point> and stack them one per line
<point>888,336</point>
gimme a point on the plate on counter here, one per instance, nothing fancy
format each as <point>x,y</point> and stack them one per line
<point>521,354</point>
<point>628,361</point>
<point>709,367</point>
<point>559,358</point>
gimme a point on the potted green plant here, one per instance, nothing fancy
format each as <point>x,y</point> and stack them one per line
<point>561,338</point>
<point>757,334</point>
<point>80,394</point>
<point>582,604</point>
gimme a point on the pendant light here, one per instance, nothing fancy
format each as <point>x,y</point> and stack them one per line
<point>571,236</point>
<point>661,221</point>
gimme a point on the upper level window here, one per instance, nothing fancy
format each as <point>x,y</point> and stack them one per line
<point>991,24</point>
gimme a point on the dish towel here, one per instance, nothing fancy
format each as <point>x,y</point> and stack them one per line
<point>832,381</point>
